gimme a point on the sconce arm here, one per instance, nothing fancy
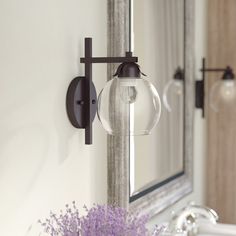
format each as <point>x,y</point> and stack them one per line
<point>213,69</point>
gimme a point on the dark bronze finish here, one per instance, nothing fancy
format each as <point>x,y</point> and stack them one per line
<point>78,105</point>
<point>200,95</point>
<point>128,69</point>
<point>81,98</point>
<point>108,59</point>
<point>179,74</point>
<point>228,74</point>
<point>200,84</point>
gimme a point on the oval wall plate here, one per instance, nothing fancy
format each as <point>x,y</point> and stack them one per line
<point>81,102</point>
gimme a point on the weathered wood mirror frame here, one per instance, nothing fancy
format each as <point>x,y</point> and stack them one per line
<point>118,147</point>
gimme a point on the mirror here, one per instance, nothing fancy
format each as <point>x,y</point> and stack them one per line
<point>158,41</point>
<point>149,173</point>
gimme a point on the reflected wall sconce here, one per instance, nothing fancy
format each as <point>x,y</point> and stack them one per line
<point>224,89</point>
<point>175,87</point>
<point>128,90</point>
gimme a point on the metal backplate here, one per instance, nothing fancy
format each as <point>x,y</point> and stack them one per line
<point>81,102</point>
<point>200,95</point>
<point>199,101</point>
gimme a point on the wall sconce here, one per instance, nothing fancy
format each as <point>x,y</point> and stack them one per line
<point>174,87</point>
<point>224,89</point>
<point>134,93</point>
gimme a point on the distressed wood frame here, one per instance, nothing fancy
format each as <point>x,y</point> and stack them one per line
<point>118,147</point>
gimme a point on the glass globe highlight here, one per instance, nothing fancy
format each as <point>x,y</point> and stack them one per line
<point>173,94</point>
<point>222,93</point>
<point>129,106</point>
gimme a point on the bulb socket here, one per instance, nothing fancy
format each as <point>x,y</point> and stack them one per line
<point>128,69</point>
<point>179,74</point>
<point>228,74</point>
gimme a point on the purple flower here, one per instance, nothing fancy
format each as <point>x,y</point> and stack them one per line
<point>100,220</point>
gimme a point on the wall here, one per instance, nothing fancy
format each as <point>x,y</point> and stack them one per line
<point>44,163</point>
<point>43,160</point>
<point>221,125</point>
<point>198,194</point>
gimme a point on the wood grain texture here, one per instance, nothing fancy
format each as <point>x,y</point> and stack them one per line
<point>118,147</point>
<point>221,158</point>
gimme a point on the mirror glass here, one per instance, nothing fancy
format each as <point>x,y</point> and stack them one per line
<point>158,41</point>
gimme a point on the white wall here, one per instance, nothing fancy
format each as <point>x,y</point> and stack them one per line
<point>44,163</point>
<point>198,195</point>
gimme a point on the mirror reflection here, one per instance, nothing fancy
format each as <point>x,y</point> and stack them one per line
<point>158,39</point>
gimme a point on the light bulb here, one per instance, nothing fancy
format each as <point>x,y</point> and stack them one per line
<point>128,92</point>
<point>178,87</point>
<point>173,92</point>
<point>223,93</point>
<point>228,90</point>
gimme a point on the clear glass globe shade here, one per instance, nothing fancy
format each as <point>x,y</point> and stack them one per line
<point>223,93</point>
<point>173,94</point>
<point>129,106</point>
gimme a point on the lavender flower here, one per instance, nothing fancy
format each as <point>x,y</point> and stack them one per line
<point>100,220</point>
